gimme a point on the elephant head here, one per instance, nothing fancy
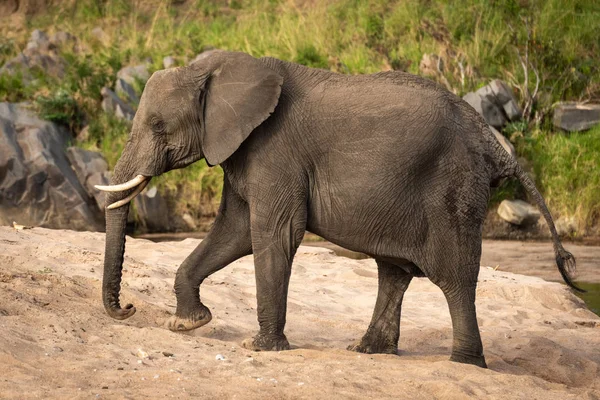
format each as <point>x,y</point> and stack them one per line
<point>204,110</point>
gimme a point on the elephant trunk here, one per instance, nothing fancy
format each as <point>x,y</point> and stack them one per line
<point>118,197</point>
<point>116,220</point>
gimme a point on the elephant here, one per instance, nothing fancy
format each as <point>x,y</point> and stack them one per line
<point>390,164</point>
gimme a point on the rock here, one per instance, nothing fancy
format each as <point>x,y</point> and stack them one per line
<point>496,103</point>
<point>152,211</point>
<point>39,53</point>
<point>39,37</point>
<point>574,117</point>
<point>189,221</point>
<point>508,146</point>
<point>518,212</point>
<point>37,185</point>
<point>126,91</point>
<point>490,112</point>
<point>111,103</point>
<point>62,38</point>
<point>91,169</point>
<point>131,73</point>
<point>168,62</point>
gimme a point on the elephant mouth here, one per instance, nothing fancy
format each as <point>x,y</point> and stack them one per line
<point>139,183</point>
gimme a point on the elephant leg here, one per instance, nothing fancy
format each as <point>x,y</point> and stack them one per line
<point>384,330</point>
<point>276,236</point>
<point>228,240</point>
<point>466,346</point>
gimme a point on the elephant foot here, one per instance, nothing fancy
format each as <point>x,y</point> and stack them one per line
<point>193,320</point>
<point>266,343</point>
<point>473,360</point>
<point>373,347</point>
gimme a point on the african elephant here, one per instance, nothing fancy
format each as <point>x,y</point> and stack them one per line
<point>390,165</point>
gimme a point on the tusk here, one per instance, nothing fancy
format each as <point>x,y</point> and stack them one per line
<point>123,186</point>
<point>127,199</point>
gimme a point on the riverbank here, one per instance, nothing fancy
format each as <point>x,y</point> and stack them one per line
<point>56,341</point>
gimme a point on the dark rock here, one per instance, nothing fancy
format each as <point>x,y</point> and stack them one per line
<point>152,211</point>
<point>91,169</point>
<point>126,92</point>
<point>576,117</point>
<point>37,185</point>
<point>490,112</point>
<point>40,53</point>
<point>111,103</point>
<point>496,103</point>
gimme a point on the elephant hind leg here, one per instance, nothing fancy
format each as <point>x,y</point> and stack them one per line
<point>460,295</point>
<point>384,330</point>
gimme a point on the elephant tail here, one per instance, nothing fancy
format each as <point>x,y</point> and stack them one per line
<point>564,260</point>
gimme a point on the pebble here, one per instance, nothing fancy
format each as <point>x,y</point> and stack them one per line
<point>220,357</point>
<point>142,354</point>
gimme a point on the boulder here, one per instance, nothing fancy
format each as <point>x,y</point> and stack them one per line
<point>39,53</point>
<point>126,92</point>
<point>37,185</point>
<point>493,115</point>
<point>91,169</point>
<point>518,212</point>
<point>112,104</point>
<point>508,146</point>
<point>496,103</point>
<point>574,117</point>
<point>131,73</point>
<point>152,211</point>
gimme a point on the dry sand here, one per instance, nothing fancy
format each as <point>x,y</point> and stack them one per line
<point>56,341</point>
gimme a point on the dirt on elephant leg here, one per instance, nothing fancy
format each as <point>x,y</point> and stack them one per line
<point>369,345</point>
<point>194,320</point>
<point>266,343</point>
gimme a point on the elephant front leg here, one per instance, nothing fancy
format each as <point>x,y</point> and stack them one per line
<point>384,330</point>
<point>274,248</point>
<point>228,240</point>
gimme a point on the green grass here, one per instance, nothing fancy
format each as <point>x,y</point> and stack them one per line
<point>567,168</point>
<point>477,41</point>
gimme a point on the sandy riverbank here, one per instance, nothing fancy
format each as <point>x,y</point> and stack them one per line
<point>56,341</point>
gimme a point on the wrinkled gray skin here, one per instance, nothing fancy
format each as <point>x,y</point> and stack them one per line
<point>391,165</point>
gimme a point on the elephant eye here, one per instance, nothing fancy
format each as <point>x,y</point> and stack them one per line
<point>157,125</point>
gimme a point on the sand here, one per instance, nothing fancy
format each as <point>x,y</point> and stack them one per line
<point>57,342</point>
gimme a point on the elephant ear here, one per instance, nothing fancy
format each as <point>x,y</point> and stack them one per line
<point>241,93</point>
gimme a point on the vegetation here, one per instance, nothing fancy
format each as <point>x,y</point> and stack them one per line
<point>548,50</point>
